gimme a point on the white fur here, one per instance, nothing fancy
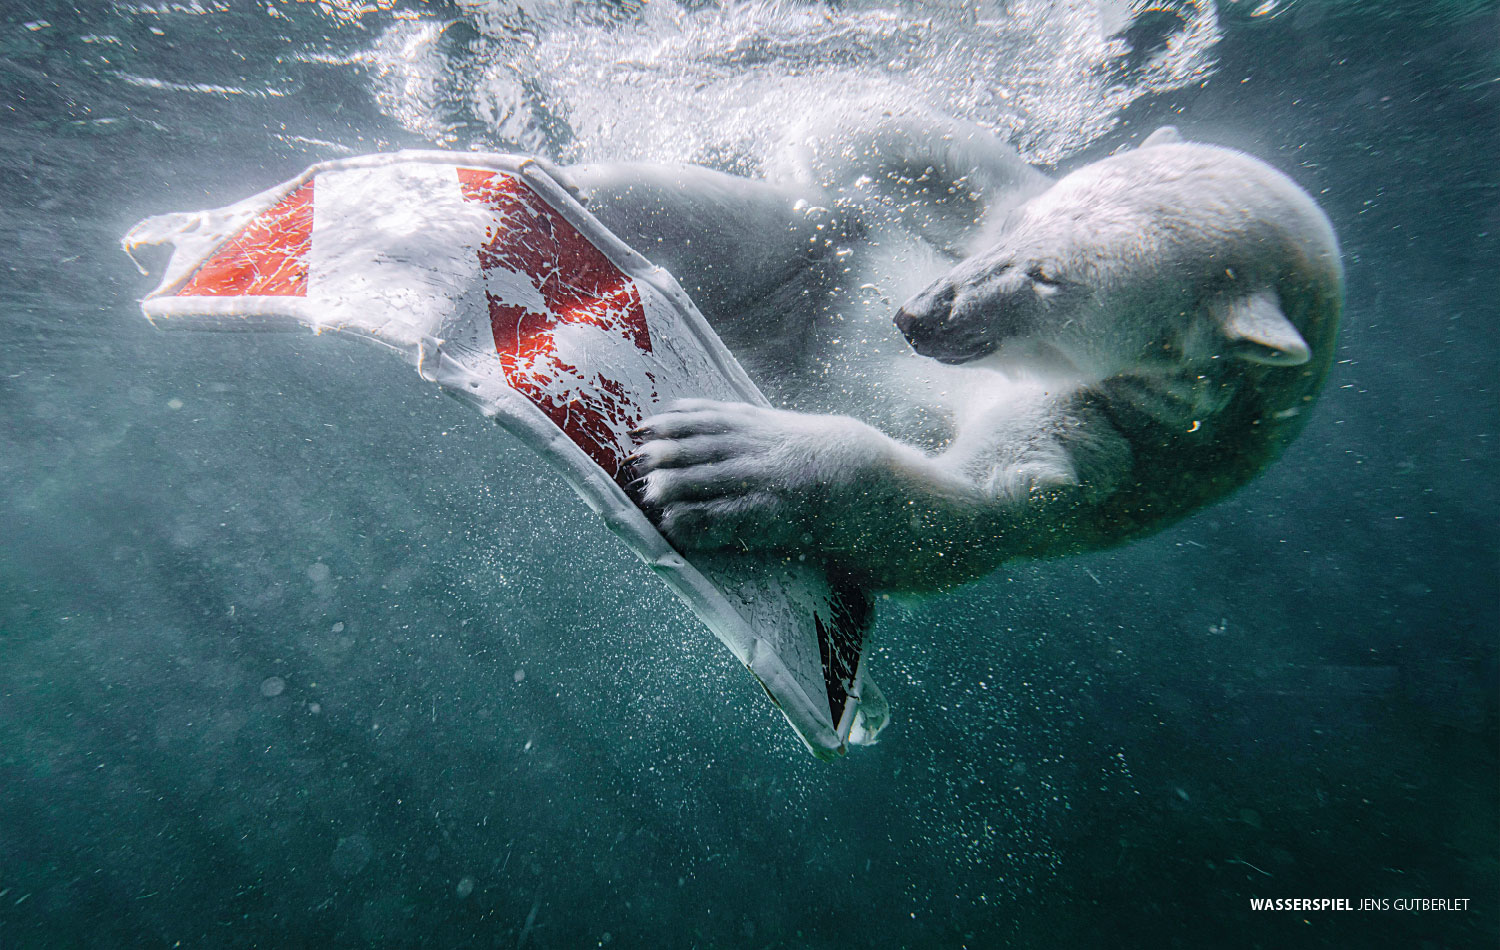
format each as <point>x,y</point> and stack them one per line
<point>1131,286</point>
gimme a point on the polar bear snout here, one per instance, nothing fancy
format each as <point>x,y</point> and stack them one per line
<point>921,318</point>
<point>934,326</point>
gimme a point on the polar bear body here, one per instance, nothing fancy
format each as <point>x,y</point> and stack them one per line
<point>1072,364</point>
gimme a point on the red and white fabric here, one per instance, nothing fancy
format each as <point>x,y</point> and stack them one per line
<point>502,289</point>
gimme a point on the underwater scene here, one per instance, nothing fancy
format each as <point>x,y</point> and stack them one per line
<point>297,651</point>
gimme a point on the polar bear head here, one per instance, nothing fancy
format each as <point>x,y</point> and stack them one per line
<point>1170,258</point>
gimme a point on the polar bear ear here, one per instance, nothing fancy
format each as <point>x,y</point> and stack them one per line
<point>1258,332</point>
<point>1166,135</point>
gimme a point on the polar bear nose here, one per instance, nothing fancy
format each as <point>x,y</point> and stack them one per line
<point>922,317</point>
<point>908,324</point>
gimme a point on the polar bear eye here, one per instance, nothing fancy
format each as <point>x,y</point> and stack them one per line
<point>1042,280</point>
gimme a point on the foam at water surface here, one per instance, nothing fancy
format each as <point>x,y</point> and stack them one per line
<point>720,84</point>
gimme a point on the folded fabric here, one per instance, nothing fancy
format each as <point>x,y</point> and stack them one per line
<point>502,289</point>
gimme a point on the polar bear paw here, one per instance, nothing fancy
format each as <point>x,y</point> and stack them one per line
<point>733,475</point>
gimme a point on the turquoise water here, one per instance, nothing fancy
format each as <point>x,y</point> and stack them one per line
<point>295,652</point>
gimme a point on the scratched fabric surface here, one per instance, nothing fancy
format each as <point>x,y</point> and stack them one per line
<point>294,651</point>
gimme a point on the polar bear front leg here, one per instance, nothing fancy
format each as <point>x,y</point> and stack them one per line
<point>719,475</point>
<point>734,475</point>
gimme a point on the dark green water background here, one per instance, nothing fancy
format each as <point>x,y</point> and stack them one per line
<point>294,652</point>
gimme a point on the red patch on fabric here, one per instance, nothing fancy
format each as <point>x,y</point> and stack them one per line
<point>267,258</point>
<point>579,286</point>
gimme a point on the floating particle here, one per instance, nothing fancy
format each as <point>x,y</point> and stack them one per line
<point>351,855</point>
<point>272,686</point>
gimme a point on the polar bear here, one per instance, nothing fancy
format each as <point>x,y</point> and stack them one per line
<point>1072,364</point>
